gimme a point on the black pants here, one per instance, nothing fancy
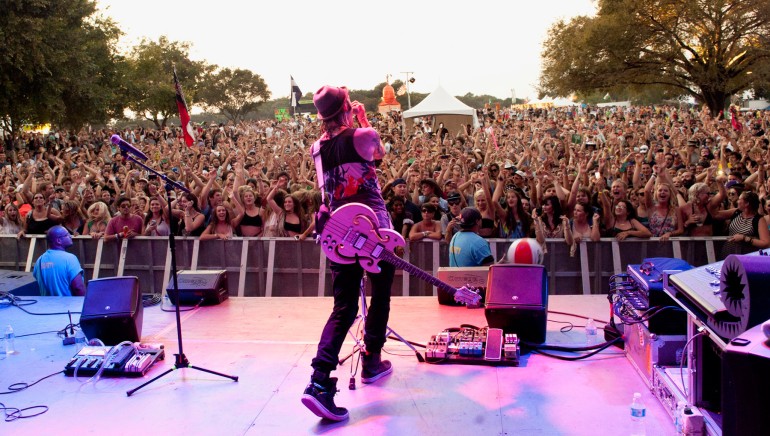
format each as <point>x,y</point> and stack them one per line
<point>346,281</point>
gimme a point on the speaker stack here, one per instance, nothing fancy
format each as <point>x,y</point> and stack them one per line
<point>112,310</point>
<point>517,300</point>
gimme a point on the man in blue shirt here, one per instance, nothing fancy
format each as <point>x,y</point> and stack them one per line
<point>467,248</point>
<point>58,273</point>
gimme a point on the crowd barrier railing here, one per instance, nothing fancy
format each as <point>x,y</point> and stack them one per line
<point>284,267</point>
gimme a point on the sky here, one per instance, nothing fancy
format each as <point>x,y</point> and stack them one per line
<point>490,47</point>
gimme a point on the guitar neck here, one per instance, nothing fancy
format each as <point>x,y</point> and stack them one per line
<point>399,263</point>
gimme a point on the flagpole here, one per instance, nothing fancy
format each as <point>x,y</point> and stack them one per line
<point>408,97</point>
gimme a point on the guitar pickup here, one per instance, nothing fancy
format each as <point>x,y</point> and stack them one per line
<point>360,241</point>
<point>377,251</point>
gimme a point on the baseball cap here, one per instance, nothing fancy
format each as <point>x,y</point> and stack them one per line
<point>469,217</point>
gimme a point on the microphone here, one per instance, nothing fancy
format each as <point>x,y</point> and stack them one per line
<point>128,148</point>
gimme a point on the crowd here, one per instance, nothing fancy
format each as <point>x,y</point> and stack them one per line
<point>577,173</point>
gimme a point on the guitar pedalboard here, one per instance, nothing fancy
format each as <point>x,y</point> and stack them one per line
<point>129,360</point>
<point>474,346</point>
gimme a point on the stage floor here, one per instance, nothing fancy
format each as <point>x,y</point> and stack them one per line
<point>269,342</point>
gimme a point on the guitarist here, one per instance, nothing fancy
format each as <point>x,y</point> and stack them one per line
<point>347,156</point>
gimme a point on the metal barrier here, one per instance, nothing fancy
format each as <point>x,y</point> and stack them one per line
<point>284,267</point>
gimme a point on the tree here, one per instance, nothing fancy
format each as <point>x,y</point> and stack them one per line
<point>233,92</point>
<point>709,49</point>
<point>59,64</point>
<point>150,78</point>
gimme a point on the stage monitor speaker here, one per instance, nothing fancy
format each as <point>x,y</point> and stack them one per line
<point>19,283</point>
<point>517,300</point>
<point>112,310</point>
<point>207,287</point>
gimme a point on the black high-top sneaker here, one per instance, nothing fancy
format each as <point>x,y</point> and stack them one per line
<point>319,397</point>
<point>374,368</point>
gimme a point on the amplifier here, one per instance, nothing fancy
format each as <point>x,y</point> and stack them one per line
<point>472,276</point>
<point>646,350</point>
<point>204,287</point>
<point>745,384</point>
<point>649,294</point>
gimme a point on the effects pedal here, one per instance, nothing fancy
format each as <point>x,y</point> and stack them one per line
<point>127,361</point>
<point>494,345</point>
<point>473,346</point>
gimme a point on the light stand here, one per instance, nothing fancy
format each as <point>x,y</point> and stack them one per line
<point>180,360</point>
<point>360,347</point>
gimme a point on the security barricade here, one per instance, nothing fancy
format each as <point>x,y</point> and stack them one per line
<point>284,267</point>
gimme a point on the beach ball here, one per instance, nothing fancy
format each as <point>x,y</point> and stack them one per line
<point>525,251</point>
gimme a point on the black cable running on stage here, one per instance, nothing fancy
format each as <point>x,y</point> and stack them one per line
<point>13,413</point>
<point>567,328</point>
<point>18,387</point>
<point>576,316</point>
<point>58,332</point>
<point>19,302</point>
<point>149,300</point>
<point>197,305</point>
<point>538,348</point>
<point>16,413</point>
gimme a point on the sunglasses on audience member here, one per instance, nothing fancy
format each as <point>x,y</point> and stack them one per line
<point>453,202</point>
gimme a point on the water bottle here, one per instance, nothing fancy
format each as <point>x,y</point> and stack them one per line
<point>638,413</point>
<point>10,341</point>
<point>80,340</point>
<point>591,337</point>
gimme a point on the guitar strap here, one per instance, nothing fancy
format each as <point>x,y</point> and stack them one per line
<point>323,213</point>
<point>319,172</point>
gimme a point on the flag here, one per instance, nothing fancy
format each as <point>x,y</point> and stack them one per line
<point>184,115</point>
<point>401,90</point>
<point>607,96</point>
<point>296,94</point>
<point>734,119</point>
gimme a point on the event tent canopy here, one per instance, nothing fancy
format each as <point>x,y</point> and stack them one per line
<point>445,109</point>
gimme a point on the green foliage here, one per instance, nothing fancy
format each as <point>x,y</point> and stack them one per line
<point>233,92</point>
<point>150,83</point>
<point>709,49</point>
<point>58,64</point>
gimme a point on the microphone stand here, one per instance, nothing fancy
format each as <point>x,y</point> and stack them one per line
<point>180,360</point>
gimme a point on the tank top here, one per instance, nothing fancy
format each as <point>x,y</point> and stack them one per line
<point>35,227</point>
<point>249,220</point>
<point>660,224</point>
<point>289,227</point>
<point>349,178</point>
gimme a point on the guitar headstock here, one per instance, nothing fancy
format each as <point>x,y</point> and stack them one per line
<point>468,296</point>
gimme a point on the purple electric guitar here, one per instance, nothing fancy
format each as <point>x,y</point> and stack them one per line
<point>351,235</point>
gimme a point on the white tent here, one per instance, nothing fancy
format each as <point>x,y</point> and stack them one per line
<point>444,109</point>
<point>563,102</point>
